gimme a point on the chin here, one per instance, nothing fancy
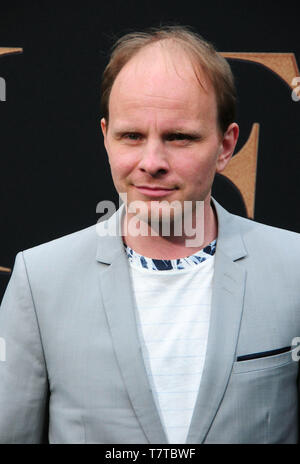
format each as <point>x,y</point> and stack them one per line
<point>166,218</point>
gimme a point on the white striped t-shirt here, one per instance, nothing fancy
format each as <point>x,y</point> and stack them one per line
<point>173,300</point>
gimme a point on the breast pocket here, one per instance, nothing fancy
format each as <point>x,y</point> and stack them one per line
<point>266,362</point>
<point>260,404</point>
<point>265,392</point>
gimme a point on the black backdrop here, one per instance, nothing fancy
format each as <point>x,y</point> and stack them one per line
<point>53,165</point>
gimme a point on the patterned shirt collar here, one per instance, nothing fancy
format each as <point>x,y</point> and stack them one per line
<point>171,264</point>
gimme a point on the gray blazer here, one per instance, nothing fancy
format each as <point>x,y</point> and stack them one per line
<point>74,371</point>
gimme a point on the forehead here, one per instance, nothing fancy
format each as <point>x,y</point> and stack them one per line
<point>162,76</point>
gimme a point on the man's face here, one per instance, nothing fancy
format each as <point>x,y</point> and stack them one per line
<point>162,139</point>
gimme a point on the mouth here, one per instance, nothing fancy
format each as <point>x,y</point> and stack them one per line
<point>154,191</point>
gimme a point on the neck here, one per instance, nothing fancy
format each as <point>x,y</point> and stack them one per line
<point>173,247</point>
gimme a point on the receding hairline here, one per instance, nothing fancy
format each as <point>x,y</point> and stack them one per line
<point>167,46</point>
<point>207,63</point>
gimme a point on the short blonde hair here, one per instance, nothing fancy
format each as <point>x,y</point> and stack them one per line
<point>201,52</point>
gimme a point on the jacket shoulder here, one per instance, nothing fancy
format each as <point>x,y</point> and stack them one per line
<point>268,239</point>
<point>249,225</point>
<point>70,247</point>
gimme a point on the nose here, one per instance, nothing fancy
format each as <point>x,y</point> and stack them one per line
<point>154,160</point>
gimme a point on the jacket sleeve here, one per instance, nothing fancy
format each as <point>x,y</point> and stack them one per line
<point>23,376</point>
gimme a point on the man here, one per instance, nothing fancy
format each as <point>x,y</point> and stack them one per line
<point>155,337</point>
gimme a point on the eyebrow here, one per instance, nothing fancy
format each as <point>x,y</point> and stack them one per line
<point>123,131</point>
<point>181,131</point>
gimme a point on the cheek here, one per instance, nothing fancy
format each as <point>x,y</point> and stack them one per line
<point>197,172</point>
<point>120,166</point>
<point>198,178</point>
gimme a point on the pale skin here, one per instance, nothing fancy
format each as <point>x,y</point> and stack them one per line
<point>164,143</point>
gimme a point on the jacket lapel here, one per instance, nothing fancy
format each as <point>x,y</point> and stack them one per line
<point>119,304</point>
<point>226,311</point>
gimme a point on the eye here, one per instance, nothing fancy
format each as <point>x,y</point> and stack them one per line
<point>134,136</point>
<point>171,137</point>
<point>178,136</point>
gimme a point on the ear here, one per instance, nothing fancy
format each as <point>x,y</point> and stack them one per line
<point>227,146</point>
<point>104,129</point>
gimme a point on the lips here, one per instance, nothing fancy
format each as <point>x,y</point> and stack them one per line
<point>154,191</point>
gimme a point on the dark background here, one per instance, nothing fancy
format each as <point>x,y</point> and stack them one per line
<point>54,169</point>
